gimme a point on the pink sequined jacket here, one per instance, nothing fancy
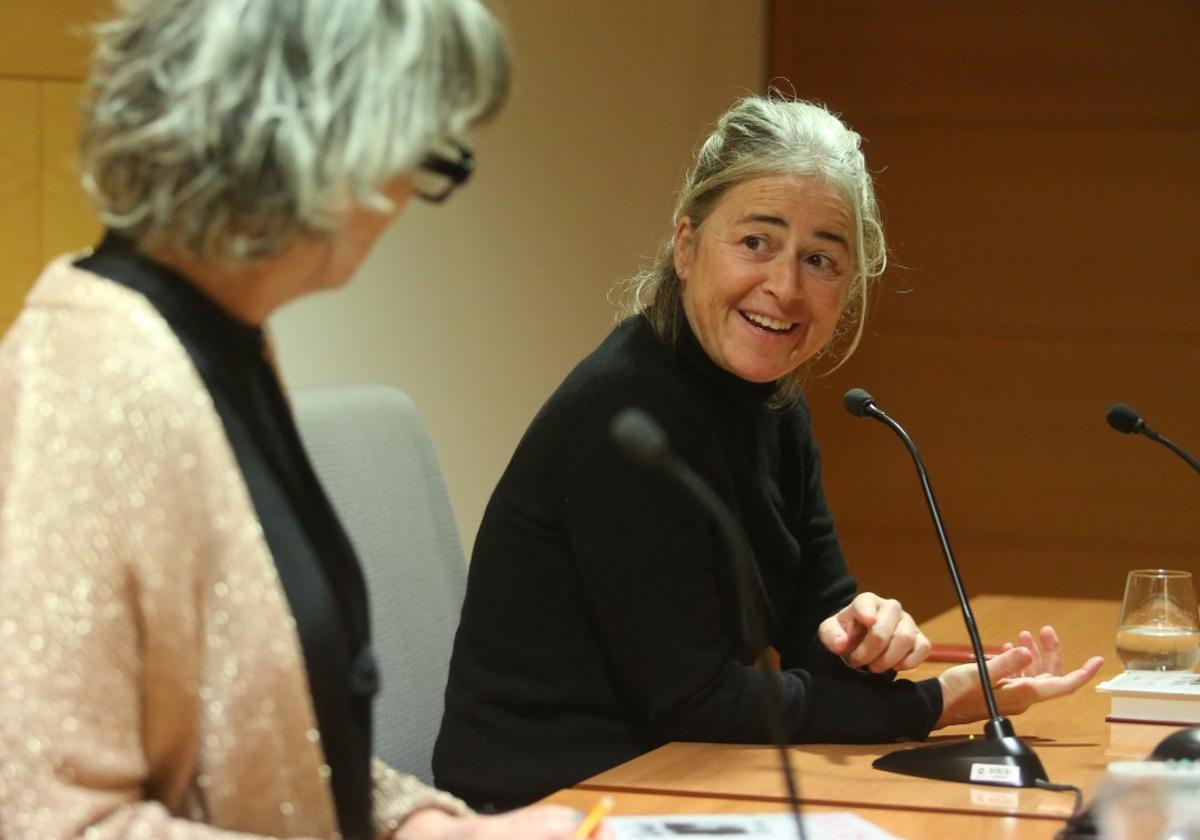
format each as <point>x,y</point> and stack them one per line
<point>151,681</point>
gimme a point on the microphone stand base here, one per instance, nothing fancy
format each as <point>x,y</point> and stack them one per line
<point>998,758</point>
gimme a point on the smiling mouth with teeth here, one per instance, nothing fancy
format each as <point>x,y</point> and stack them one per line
<point>768,324</point>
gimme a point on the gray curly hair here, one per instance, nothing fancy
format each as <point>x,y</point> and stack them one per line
<point>225,129</point>
<point>762,136</point>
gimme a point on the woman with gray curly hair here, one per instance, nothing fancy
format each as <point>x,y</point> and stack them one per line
<point>185,642</point>
<point>601,610</point>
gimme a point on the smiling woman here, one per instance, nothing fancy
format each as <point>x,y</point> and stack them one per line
<point>765,277</point>
<point>601,614</point>
<point>808,156</point>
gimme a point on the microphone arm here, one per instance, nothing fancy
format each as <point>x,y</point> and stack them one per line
<point>1125,420</point>
<point>1178,450</point>
<point>644,442</point>
<point>1000,757</point>
<point>872,410</point>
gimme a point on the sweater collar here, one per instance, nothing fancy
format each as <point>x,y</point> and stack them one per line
<point>189,311</point>
<point>728,388</point>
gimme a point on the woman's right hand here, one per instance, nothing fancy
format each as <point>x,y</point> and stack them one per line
<point>537,822</point>
<point>1020,676</point>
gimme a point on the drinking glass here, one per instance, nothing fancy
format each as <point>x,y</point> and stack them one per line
<point>1159,629</point>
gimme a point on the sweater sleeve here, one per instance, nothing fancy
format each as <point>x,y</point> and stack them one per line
<point>657,584</point>
<point>396,796</point>
<point>79,500</point>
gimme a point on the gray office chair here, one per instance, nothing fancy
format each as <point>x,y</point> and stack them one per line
<point>377,464</point>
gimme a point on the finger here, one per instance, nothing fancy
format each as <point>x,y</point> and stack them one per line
<point>561,812</point>
<point>1008,664</point>
<point>554,826</point>
<point>1051,651</point>
<point>871,650</point>
<point>1093,665</point>
<point>1058,686</point>
<point>898,648</point>
<point>837,637</point>
<point>1025,640</point>
<point>888,616</point>
<point>920,652</point>
<point>1019,694</point>
<point>842,632</point>
<point>553,820</point>
<point>859,615</point>
<point>550,819</point>
<point>832,635</point>
<point>864,608</point>
<point>897,633</point>
<point>520,825</point>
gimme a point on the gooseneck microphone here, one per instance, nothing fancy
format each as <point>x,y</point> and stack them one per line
<point>645,443</point>
<point>1125,420</point>
<point>861,404</point>
<point>1000,757</point>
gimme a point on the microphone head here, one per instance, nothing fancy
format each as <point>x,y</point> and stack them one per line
<point>1124,419</point>
<point>858,402</point>
<point>639,437</point>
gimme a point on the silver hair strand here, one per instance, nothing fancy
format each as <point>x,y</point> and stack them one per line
<point>225,129</point>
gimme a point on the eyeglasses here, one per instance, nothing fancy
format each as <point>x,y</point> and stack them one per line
<point>439,175</point>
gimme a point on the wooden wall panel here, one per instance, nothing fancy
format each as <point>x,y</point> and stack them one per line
<point>1039,172</point>
<point>1069,63</point>
<point>1015,440</point>
<point>48,40</point>
<point>20,193</point>
<point>44,49</point>
<point>68,221</point>
<point>1074,233</point>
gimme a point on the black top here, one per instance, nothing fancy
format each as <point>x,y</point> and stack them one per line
<point>315,560</point>
<point>601,618</point>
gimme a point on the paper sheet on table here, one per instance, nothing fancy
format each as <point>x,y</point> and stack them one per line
<point>830,825</point>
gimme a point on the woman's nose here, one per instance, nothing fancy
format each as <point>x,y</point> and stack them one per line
<point>784,280</point>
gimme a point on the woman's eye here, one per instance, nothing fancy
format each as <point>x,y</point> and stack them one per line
<point>754,242</point>
<point>819,261</point>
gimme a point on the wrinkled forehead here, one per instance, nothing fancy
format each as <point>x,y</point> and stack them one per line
<point>815,197</point>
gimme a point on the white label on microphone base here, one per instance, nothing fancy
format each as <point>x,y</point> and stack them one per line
<point>1007,799</point>
<point>996,774</point>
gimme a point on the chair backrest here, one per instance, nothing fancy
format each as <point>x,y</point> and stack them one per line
<point>376,462</point>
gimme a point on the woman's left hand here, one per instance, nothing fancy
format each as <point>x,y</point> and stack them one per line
<point>1023,674</point>
<point>874,633</point>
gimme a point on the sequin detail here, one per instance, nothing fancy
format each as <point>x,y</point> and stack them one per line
<point>150,675</point>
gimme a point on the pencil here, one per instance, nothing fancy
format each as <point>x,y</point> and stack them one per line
<point>599,811</point>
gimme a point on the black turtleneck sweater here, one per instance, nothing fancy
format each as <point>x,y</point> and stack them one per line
<point>601,619</point>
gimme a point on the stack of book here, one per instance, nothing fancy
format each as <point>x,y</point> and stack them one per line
<point>1154,697</point>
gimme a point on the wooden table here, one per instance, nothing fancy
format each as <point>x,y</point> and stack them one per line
<point>1070,736</point>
